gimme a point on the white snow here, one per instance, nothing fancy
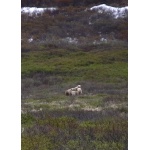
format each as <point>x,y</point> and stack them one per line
<point>35,10</point>
<point>71,40</point>
<point>101,40</point>
<point>30,40</point>
<point>115,11</point>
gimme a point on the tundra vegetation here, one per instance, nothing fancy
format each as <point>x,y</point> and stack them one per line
<point>67,49</point>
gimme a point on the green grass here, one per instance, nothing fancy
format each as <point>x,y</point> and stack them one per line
<point>108,66</point>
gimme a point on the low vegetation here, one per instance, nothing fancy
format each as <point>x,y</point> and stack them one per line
<point>66,132</point>
<point>66,51</point>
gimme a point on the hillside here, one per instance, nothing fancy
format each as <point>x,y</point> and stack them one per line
<point>63,46</point>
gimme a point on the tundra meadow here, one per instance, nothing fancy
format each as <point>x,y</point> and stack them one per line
<point>65,46</point>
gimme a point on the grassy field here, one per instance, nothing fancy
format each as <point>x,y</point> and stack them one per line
<point>95,120</point>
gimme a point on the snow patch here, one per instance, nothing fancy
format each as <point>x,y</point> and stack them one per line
<point>30,40</point>
<point>100,41</point>
<point>115,11</point>
<point>36,11</point>
<point>71,40</point>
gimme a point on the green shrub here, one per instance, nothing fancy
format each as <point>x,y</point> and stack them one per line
<point>67,132</point>
<point>27,119</point>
